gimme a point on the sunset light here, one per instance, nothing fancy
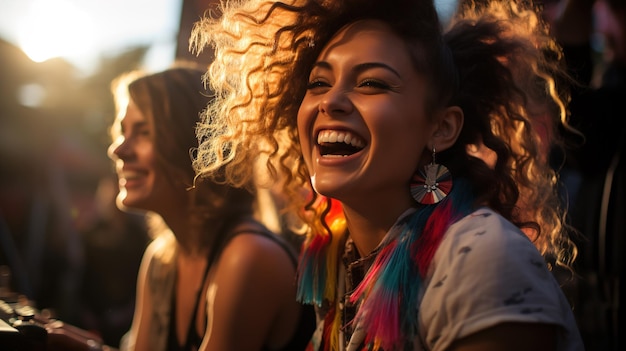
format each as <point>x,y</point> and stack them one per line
<point>55,29</point>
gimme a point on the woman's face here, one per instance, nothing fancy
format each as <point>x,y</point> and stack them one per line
<point>142,185</point>
<point>362,122</point>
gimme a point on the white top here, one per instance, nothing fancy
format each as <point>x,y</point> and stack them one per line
<point>485,272</point>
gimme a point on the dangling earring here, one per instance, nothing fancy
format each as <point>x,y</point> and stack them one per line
<point>431,184</point>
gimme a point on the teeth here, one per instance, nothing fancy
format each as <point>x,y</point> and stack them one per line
<point>333,136</point>
<point>129,174</point>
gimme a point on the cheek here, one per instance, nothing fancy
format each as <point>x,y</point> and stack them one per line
<point>147,155</point>
<point>401,126</point>
<point>401,136</point>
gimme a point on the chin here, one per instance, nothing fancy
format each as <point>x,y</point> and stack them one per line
<point>333,190</point>
<point>130,204</point>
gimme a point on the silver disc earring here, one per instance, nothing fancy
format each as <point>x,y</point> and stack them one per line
<point>432,183</point>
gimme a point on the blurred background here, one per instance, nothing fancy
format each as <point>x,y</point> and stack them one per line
<point>63,243</point>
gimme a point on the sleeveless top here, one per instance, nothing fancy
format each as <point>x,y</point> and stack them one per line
<point>162,278</point>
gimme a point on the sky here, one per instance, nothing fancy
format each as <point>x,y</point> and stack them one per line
<point>83,31</point>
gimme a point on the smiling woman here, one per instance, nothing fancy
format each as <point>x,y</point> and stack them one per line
<point>431,253</point>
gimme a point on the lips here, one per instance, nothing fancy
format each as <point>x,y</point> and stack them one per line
<point>339,143</point>
<point>130,174</point>
<point>128,177</point>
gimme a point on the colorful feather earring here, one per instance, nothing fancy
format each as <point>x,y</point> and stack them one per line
<point>431,184</point>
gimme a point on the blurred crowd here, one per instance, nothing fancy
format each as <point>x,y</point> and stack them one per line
<point>63,243</point>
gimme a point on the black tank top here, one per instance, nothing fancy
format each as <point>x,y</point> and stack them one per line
<point>300,338</point>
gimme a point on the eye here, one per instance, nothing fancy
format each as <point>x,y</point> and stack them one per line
<point>143,132</point>
<point>139,131</point>
<point>374,83</point>
<point>316,84</point>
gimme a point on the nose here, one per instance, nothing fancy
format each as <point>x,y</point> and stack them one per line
<point>336,102</point>
<point>118,148</point>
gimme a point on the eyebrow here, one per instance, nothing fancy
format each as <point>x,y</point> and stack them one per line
<point>134,125</point>
<point>360,67</point>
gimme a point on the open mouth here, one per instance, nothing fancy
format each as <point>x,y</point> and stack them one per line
<point>339,143</point>
<point>130,175</point>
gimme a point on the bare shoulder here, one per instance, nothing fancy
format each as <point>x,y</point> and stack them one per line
<point>250,255</point>
<point>250,248</point>
<point>160,247</point>
<point>255,264</point>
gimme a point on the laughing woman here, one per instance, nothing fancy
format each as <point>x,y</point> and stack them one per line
<point>415,242</point>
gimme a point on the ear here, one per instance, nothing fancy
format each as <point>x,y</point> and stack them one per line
<point>448,127</point>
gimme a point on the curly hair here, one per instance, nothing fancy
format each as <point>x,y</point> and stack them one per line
<point>495,61</point>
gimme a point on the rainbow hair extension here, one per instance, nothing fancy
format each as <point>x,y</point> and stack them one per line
<point>389,290</point>
<point>317,270</point>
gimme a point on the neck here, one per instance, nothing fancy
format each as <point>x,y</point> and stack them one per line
<point>370,217</point>
<point>192,238</point>
<point>368,228</point>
